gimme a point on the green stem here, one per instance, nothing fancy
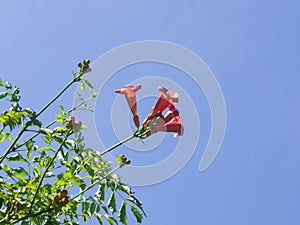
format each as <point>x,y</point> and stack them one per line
<point>97,182</point>
<point>59,94</point>
<point>46,170</point>
<point>117,145</point>
<point>12,146</point>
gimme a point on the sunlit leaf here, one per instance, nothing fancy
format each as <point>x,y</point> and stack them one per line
<point>122,213</point>
<point>16,158</point>
<point>137,214</point>
<point>112,203</point>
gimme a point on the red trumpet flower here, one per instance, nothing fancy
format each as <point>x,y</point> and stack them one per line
<point>129,92</point>
<point>165,99</point>
<point>172,113</point>
<point>173,126</point>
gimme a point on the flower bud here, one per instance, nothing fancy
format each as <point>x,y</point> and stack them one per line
<point>86,62</point>
<point>64,201</point>
<point>56,199</point>
<point>87,70</point>
<point>63,193</point>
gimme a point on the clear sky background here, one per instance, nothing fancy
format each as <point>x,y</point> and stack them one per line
<point>251,46</point>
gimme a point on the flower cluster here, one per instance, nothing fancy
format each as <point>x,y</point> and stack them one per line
<point>155,121</point>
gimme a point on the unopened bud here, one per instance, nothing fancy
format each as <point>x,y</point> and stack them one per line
<point>63,193</point>
<point>87,62</point>
<point>64,201</point>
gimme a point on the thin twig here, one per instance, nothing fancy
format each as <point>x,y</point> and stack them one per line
<point>116,145</point>
<point>46,170</point>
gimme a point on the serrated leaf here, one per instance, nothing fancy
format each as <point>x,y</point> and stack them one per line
<point>122,213</point>
<point>137,214</point>
<point>101,191</point>
<point>112,203</point>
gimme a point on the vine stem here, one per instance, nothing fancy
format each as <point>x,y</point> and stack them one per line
<point>117,145</point>
<point>97,182</point>
<point>11,147</point>
<point>75,79</point>
<point>46,170</point>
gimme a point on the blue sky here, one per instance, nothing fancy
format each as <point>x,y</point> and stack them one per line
<point>251,46</point>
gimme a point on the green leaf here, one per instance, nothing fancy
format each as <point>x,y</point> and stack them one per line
<point>19,173</point>
<point>16,158</point>
<point>2,137</point>
<point>47,140</point>
<point>35,122</point>
<point>92,208</point>
<point>8,136</point>
<point>99,217</point>
<point>101,191</point>
<point>110,219</point>
<point>112,203</point>
<point>137,203</point>
<point>122,213</point>
<point>37,171</point>
<point>46,148</point>
<point>120,159</point>
<point>85,206</point>
<point>88,83</point>
<point>137,214</point>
